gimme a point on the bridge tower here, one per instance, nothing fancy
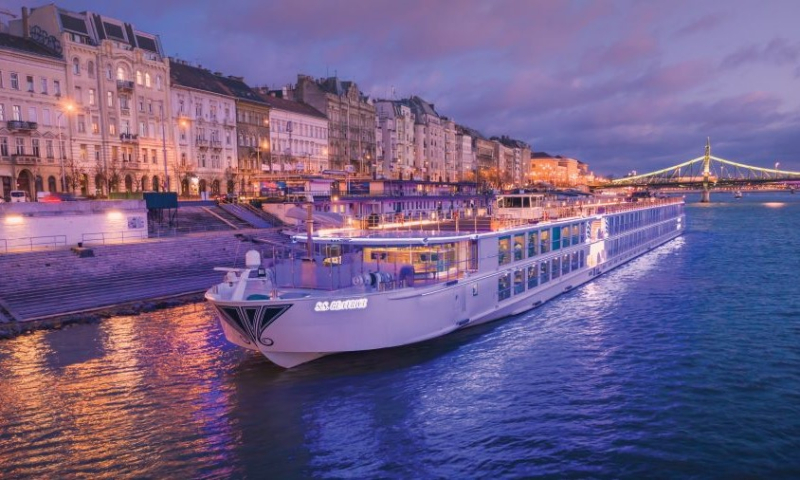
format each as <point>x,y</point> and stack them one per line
<point>706,197</point>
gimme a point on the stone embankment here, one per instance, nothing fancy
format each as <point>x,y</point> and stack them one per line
<point>47,289</point>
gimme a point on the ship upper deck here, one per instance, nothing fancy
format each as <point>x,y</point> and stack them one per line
<point>436,231</point>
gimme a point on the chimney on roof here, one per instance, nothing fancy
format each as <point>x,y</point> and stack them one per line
<point>26,28</point>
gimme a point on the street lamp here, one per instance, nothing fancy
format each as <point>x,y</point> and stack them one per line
<point>164,147</point>
<point>68,108</point>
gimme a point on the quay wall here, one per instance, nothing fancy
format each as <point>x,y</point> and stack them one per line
<point>30,225</point>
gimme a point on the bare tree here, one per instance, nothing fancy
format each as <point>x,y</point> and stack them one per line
<point>183,173</point>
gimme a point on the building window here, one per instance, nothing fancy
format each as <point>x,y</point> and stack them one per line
<point>14,81</point>
<point>110,99</point>
<point>183,159</point>
<point>112,126</point>
<point>76,66</point>
<point>4,146</point>
<point>120,73</point>
<point>57,88</point>
<point>79,95</point>
<point>35,147</point>
<point>138,77</point>
<point>91,96</point>
<point>108,71</point>
<point>147,80</point>
<point>2,112</point>
<point>32,114</point>
<point>48,148</point>
<point>43,82</point>
<point>158,82</point>
<point>144,155</point>
<point>17,113</point>
<point>29,82</point>
<point>81,123</point>
<point>20,146</point>
<point>90,69</point>
<point>153,155</point>
<point>95,124</point>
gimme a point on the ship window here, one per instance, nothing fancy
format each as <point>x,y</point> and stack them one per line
<point>519,281</point>
<point>544,272</point>
<point>565,264</point>
<point>583,259</point>
<point>503,250</point>
<point>533,241</point>
<point>544,241</point>
<point>565,237</point>
<point>504,286</point>
<point>519,246</point>
<point>556,270</point>
<point>556,238</point>
<point>533,275</point>
<point>576,234</point>
<point>576,260</point>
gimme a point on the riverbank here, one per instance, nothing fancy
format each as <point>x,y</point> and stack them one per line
<point>14,329</point>
<point>51,289</point>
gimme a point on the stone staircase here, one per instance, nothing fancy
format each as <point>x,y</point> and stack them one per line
<point>246,215</point>
<point>48,283</point>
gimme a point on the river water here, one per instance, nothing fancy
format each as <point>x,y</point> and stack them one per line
<point>682,363</point>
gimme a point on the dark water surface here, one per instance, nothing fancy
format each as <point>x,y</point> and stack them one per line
<point>683,363</point>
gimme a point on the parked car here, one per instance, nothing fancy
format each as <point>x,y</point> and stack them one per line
<point>55,197</point>
<point>18,196</point>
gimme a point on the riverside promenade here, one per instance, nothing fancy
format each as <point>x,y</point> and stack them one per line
<point>45,289</point>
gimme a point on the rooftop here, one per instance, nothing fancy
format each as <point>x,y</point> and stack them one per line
<point>26,45</point>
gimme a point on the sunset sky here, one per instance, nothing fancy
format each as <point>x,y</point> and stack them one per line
<point>621,85</point>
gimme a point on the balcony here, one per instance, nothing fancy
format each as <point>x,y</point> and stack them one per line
<point>129,137</point>
<point>125,111</point>
<point>216,144</point>
<point>201,142</point>
<point>20,126</point>
<point>125,85</point>
<point>22,159</point>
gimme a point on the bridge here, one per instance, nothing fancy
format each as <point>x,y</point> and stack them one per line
<point>706,172</point>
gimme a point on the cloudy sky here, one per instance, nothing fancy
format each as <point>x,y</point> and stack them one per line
<point>622,85</point>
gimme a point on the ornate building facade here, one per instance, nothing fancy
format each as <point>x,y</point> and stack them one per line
<point>32,147</point>
<point>351,120</point>
<point>117,86</point>
<point>299,135</point>
<point>204,121</point>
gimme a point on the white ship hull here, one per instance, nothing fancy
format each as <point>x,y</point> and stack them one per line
<point>307,324</point>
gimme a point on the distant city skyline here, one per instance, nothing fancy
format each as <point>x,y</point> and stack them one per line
<point>620,85</point>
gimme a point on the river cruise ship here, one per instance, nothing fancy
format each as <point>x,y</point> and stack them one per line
<point>348,290</point>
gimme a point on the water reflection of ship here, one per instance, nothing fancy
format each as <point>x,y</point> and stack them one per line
<point>737,194</point>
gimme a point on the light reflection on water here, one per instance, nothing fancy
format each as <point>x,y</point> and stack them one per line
<point>682,362</point>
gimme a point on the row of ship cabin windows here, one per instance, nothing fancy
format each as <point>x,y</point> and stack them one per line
<point>538,273</point>
<point>628,221</point>
<point>635,239</point>
<point>513,247</point>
